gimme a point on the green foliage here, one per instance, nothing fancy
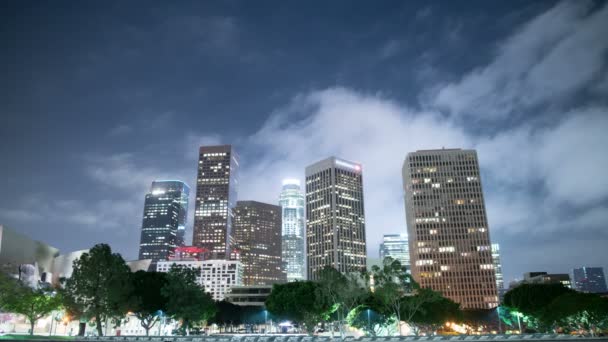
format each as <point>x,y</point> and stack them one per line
<point>298,301</point>
<point>369,317</point>
<point>186,300</point>
<point>148,301</point>
<point>577,311</point>
<point>343,291</point>
<point>227,316</point>
<point>532,299</point>
<point>99,287</point>
<point>432,314</point>
<point>32,303</point>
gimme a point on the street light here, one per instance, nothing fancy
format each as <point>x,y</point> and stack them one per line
<point>265,321</point>
<point>519,314</point>
<point>369,326</point>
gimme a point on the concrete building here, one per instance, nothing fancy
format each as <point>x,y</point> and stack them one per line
<point>589,279</point>
<point>257,239</point>
<point>335,217</point>
<point>216,276</point>
<point>448,231</point>
<point>216,193</point>
<point>291,201</point>
<point>249,295</point>
<point>396,247</point>
<point>164,221</point>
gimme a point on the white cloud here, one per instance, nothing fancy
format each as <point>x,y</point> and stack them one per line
<point>551,57</point>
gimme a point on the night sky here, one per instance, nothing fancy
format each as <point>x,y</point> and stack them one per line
<point>99,98</point>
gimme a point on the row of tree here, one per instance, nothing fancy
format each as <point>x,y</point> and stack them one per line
<point>103,290</point>
<point>375,302</point>
<point>554,308</point>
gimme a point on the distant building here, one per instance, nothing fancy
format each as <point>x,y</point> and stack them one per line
<point>291,201</point>
<point>257,237</point>
<point>249,295</point>
<point>448,231</point>
<point>500,284</point>
<point>163,225</point>
<point>216,276</point>
<point>216,193</point>
<point>396,247</point>
<point>590,279</point>
<point>335,217</point>
<point>545,278</point>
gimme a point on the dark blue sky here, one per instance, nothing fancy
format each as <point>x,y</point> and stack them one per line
<point>99,98</point>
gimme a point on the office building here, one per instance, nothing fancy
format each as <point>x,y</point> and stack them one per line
<point>335,217</point>
<point>216,276</point>
<point>450,246</point>
<point>165,213</point>
<point>500,283</point>
<point>396,247</point>
<point>257,237</point>
<point>249,295</point>
<point>216,192</point>
<point>590,279</point>
<point>545,278</point>
<point>293,222</point>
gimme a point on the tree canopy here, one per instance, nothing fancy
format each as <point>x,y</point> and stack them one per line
<point>149,304</point>
<point>100,286</point>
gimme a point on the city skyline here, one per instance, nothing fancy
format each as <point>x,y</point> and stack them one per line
<point>94,113</point>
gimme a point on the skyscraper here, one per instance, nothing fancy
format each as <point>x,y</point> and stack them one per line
<point>165,214</point>
<point>396,247</point>
<point>335,217</point>
<point>216,192</point>
<point>257,237</point>
<point>447,226</point>
<point>500,284</point>
<point>293,244</point>
<point>590,279</point>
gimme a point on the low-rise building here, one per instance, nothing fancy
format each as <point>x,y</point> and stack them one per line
<point>216,276</point>
<point>254,295</point>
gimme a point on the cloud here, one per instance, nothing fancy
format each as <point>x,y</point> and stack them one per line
<point>552,57</point>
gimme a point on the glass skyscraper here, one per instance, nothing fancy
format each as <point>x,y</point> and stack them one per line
<point>293,247</point>
<point>216,192</point>
<point>335,217</point>
<point>590,279</point>
<point>396,247</point>
<point>164,222</point>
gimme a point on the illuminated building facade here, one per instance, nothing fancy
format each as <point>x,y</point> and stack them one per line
<point>448,231</point>
<point>216,276</point>
<point>590,279</point>
<point>216,192</point>
<point>165,214</point>
<point>257,237</point>
<point>335,217</point>
<point>500,283</point>
<point>293,222</point>
<point>396,247</point>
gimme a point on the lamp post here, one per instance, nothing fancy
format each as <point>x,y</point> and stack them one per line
<point>265,321</point>
<point>369,326</point>
<point>160,324</point>
<point>499,323</point>
<point>518,314</point>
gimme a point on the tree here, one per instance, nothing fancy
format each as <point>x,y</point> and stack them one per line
<point>531,300</point>
<point>99,287</point>
<point>32,303</point>
<point>391,284</point>
<point>186,300</point>
<point>433,314</point>
<point>343,292</point>
<point>577,311</point>
<point>149,303</point>
<point>228,315</point>
<point>298,301</point>
<point>369,317</point>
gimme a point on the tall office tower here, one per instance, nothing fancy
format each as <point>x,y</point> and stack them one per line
<point>590,279</point>
<point>257,237</point>
<point>396,247</point>
<point>216,191</point>
<point>293,245</point>
<point>165,213</point>
<point>500,284</point>
<point>335,219</point>
<point>447,226</point>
